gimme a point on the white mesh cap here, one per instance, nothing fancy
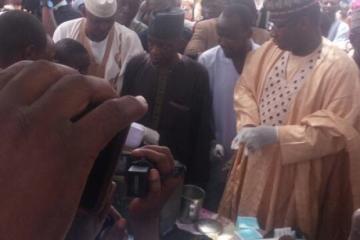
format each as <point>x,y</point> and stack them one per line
<point>101,8</point>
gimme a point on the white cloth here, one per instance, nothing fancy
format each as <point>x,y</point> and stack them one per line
<point>126,44</point>
<point>101,8</point>
<point>98,49</point>
<point>223,77</point>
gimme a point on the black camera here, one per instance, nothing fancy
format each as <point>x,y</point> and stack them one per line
<point>137,177</point>
<point>136,171</point>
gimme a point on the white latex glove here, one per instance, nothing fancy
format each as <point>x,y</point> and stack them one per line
<point>218,151</point>
<point>255,138</point>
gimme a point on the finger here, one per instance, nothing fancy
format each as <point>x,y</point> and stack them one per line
<point>155,156</point>
<point>356,221</point>
<point>162,149</point>
<point>162,162</point>
<point>33,81</point>
<point>106,205</point>
<point>152,201</point>
<point>155,183</point>
<point>117,232</point>
<point>251,149</point>
<point>246,151</point>
<point>244,135</point>
<point>72,94</point>
<point>8,73</point>
<point>115,214</point>
<point>99,126</point>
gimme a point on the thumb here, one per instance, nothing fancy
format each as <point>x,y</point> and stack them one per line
<point>240,138</point>
<point>117,231</point>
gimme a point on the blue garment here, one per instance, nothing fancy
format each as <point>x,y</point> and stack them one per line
<point>223,77</point>
<point>339,33</point>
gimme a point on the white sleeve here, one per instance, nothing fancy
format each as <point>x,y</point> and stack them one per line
<point>202,60</point>
<point>342,34</point>
<point>135,46</point>
<point>130,47</point>
<point>58,34</point>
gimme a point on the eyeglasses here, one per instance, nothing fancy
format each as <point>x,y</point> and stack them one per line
<point>283,23</point>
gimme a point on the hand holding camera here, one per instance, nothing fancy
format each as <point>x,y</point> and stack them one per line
<point>138,172</point>
<point>144,212</point>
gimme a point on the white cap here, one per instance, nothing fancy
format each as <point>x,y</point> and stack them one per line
<point>101,8</point>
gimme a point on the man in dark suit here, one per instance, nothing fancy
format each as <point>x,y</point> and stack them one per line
<point>177,91</point>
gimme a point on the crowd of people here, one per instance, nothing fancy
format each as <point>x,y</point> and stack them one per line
<point>258,99</point>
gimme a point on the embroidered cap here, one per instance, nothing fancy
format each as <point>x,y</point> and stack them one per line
<point>285,7</point>
<point>101,8</point>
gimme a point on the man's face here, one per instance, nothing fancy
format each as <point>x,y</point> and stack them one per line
<point>211,8</point>
<point>286,32</point>
<point>329,6</point>
<point>188,9</point>
<point>162,51</point>
<point>98,28</point>
<point>233,37</point>
<point>127,10</point>
<point>355,38</point>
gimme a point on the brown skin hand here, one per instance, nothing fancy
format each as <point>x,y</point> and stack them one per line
<point>355,226</point>
<point>39,101</point>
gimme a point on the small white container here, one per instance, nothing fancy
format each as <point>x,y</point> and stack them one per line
<point>135,135</point>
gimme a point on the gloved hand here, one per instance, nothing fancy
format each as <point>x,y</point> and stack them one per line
<point>218,151</point>
<point>255,138</point>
